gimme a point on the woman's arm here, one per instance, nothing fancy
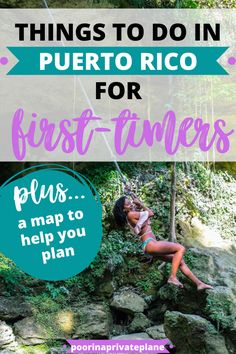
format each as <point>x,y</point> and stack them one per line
<point>141,205</point>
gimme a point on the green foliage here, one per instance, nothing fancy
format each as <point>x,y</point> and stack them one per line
<point>133,265</point>
<point>217,4</point>
<point>41,348</point>
<point>170,293</point>
<point>21,3</point>
<point>43,303</point>
<point>119,4</point>
<point>45,310</point>
<point>201,191</point>
<point>110,258</point>
<point>85,283</point>
<point>56,292</point>
<point>189,4</point>
<point>112,252</point>
<point>117,245</point>
<point>191,259</point>
<point>11,277</point>
<point>149,279</point>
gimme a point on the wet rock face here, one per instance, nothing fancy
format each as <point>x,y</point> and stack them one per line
<point>13,308</point>
<point>129,302</point>
<point>193,334</point>
<point>92,321</point>
<point>7,337</point>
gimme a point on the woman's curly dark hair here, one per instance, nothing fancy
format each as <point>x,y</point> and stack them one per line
<point>118,212</point>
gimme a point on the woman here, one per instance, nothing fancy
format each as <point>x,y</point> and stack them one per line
<point>126,212</point>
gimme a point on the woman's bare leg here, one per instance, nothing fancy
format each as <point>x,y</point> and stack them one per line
<point>161,248</point>
<point>187,272</point>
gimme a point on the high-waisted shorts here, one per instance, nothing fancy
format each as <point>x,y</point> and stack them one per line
<point>146,242</point>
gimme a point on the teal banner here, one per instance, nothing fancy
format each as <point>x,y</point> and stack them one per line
<point>117,61</point>
<point>55,230</point>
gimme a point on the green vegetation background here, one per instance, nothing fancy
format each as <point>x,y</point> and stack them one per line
<point>119,3</point>
<point>205,191</point>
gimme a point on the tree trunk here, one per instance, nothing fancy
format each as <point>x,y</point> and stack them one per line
<point>172,236</point>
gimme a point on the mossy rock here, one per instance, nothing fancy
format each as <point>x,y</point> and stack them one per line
<point>221,307</point>
<point>156,332</point>
<point>170,293</point>
<point>201,263</point>
<point>139,323</point>
<point>33,349</point>
<point>192,334</point>
<point>92,321</point>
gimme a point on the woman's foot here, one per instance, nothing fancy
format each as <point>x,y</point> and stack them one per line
<point>203,286</point>
<point>173,280</point>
